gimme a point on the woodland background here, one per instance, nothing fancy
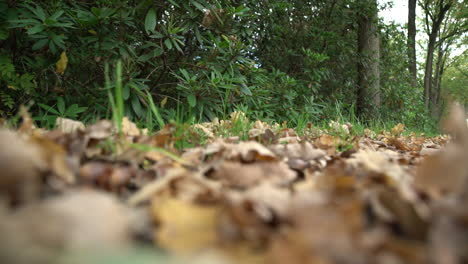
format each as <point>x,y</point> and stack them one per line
<point>296,61</point>
<point>242,132</point>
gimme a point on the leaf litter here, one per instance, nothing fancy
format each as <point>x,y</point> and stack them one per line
<point>89,194</point>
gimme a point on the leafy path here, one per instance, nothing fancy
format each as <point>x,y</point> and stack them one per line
<point>77,194</point>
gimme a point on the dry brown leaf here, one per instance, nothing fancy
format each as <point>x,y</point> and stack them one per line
<point>205,130</point>
<point>251,151</point>
<point>289,140</point>
<point>290,248</point>
<point>327,232</point>
<point>27,124</point>
<point>398,129</point>
<point>193,156</point>
<point>304,151</point>
<point>369,133</point>
<point>454,125</point>
<point>101,130</point>
<point>446,172</point>
<point>403,251</point>
<point>288,203</point>
<point>380,162</point>
<point>181,184</point>
<point>336,179</point>
<point>326,141</point>
<point>129,128</point>
<point>244,221</point>
<point>68,125</point>
<point>263,131</point>
<point>164,137</point>
<point>389,206</point>
<point>288,135</point>
<point>243,253</point>
<point>399,144</point>
<point>266,201</point>
<point>84,221</point>
<point>255,133</point>
<point>107,176</point>
<point>288,132</point>
<point>55,157</point>
<point>449,233</point>
<point>91,171</point>
<point>185,227</point>
<point>20,167</point>
<point>238,175</point>
<point>95,220</point>
<point>148,192</point>
<point>428,151</point>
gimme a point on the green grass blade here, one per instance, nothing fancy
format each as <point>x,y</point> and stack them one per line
<point>155,111</point>
<point>119,101</point>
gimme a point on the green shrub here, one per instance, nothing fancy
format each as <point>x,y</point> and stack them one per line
<point>193,60</point>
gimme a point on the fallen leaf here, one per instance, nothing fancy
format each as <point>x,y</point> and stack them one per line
<point>305,151</point>
<point>446,172</point>
<point>326,141</point>
<point>380,162</point>
<point>27,125</point>
<point>129,128</point>
<point>400,145</point>
<point>184,227</point>
<point>100,130</point>
<point>84,221</point>
<point>55,157</point>
<point>398,129</point>
<point>251,151</point>
<point>238,175</point>
<point>205,130</point>
<point>20,166</point>
<point>61,64</point>
<point>68,125</point>
<point>148,192</point>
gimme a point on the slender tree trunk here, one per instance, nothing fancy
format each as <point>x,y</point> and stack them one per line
<point>437,17</point>
<point>368,96</point>
<point>439,72</point>
<point>412,41</point>
<point>428,70</point>
<point>436,84</point>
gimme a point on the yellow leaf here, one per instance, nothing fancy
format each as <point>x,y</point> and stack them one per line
<point>62,63</point>
<point>92,32</point>
<point>163,102</point>
<point>185,227</point>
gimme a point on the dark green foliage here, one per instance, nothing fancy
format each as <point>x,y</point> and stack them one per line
<point>456,78</point>
<point>277,60</point>
<point>401,102</point>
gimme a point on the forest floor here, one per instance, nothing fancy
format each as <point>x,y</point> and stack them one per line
<point>105,194</point>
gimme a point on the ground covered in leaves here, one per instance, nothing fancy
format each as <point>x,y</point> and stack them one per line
<point>99,195</point>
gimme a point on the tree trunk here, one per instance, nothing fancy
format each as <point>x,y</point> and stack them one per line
<point>436,84</point>
<point>437,17</point>
<point>428,69</point>
<point>442,53</point>
<point>412,41</point>
<point>368,92</point>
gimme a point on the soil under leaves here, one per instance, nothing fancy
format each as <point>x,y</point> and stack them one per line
<point>92,195</point>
